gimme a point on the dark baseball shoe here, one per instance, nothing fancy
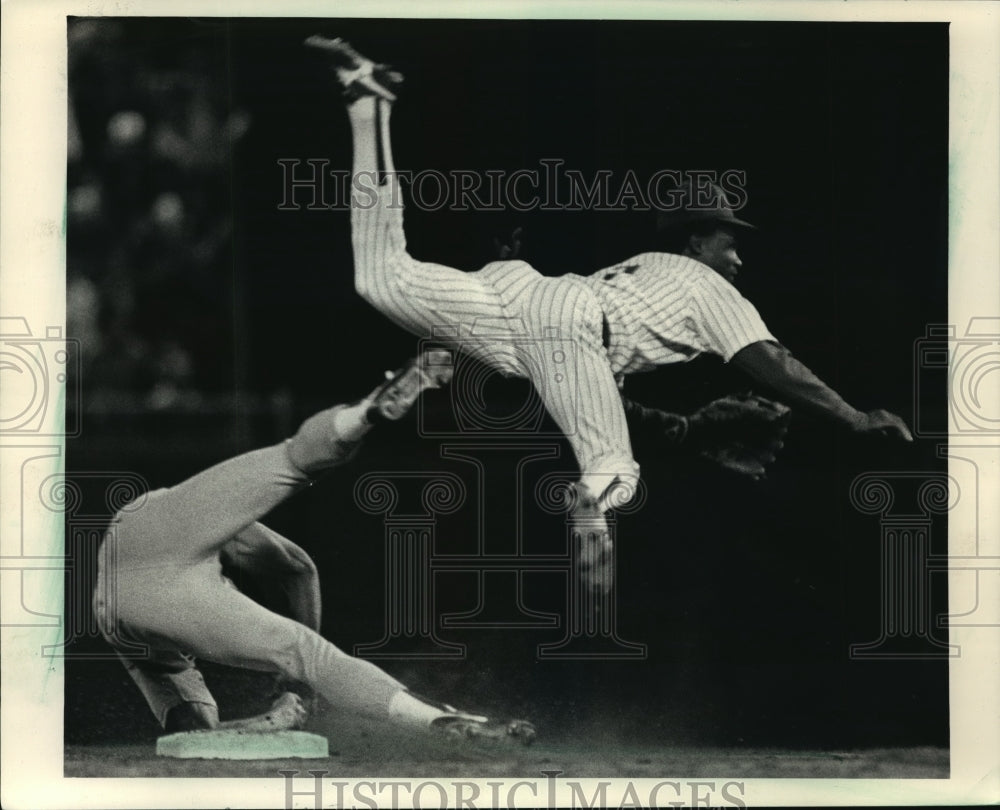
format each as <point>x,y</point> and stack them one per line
<point>592,546</point>
<point>468,727</point>
<point>358,75</point>
<point>394,398</point>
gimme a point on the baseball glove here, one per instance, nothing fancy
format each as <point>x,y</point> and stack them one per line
<point>740,432</point>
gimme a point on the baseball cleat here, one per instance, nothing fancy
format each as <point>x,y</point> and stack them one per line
<point>396,395</point>
<point>593,549</point>
<point>358,75</point>
<point>468,727</point>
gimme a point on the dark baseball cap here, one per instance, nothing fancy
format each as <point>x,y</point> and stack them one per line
<point>708,204</point>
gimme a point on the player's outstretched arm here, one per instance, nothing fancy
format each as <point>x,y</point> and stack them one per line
<point>287,712</point>
<point>773,365</point>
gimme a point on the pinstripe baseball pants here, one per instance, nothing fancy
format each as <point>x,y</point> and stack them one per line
<point>511,318</point>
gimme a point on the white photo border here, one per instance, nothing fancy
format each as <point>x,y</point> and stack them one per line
<point>32,285</point>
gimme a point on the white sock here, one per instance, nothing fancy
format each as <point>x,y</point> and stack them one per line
<point>350,423</point>
<point>412,711</point>
<point>407,708</point>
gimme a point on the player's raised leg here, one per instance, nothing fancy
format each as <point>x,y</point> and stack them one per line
<point>478,313</point>
<point>422,297</point>
<point>587,407</point>
<point>252,484</point>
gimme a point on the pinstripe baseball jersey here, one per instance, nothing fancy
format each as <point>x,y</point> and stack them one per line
<point>654,309</point>
<point>663,308</point>
<point>510,317</point>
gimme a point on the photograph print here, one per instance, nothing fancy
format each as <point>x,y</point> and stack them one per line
<point>498,398</point>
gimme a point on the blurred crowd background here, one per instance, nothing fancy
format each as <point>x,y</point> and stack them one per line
<point>152,130</point>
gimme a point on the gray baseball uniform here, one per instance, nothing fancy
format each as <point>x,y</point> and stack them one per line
<point>160,584</point>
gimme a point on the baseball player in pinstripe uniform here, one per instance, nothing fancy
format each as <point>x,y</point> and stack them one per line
<point>161,584</point>
<point>650,310</point>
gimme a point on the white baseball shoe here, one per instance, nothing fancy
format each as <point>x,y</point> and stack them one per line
<point>391,400</point>
<point>472,727</point>
<point>358,75</point>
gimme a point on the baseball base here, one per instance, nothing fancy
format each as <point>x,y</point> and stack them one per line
<point>228,744</point>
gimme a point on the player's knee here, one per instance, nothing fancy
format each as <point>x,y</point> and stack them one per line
<point>363,286</point>
<point>191,717</point>
<point>312,659</point>
<point>294,654</point>
<point>379,295</point>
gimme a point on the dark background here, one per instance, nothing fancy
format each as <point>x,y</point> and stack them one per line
<point>211,322</point>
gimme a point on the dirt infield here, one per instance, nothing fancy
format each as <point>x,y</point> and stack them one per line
<point>445,760</point>
<point>364,748</point>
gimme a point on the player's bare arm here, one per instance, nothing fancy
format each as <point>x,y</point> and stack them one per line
<point>713,240</point>
<point>287,712</point>
<point>773,365</point>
